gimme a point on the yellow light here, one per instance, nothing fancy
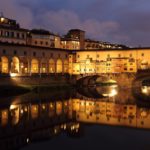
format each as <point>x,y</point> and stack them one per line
<point>82,103</point>
<point>113,93</point>
<point>27,140</point>
<point>43,106</point>
<point>65,126</point>
<point>51,105</point>
<point>145,90</point>
<point>21,111</point>
<point>2,19</point>
<point>55,131</point>
<point>13,74</point>
<point>13,107</point>
<point>87,103</point>
<point>35,108</point>
<point>25,109</point>
<point>143,113</point>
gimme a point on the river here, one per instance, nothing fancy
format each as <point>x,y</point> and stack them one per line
<point>100,117</point>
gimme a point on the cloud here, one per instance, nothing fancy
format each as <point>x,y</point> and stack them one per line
<point>119,21</point>
<point>61,21</point>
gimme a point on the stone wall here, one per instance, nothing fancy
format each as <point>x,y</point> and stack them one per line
<point>32,81</point>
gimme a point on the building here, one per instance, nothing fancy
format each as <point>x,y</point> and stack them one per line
<point>10,32</point>
<point>38,51</point>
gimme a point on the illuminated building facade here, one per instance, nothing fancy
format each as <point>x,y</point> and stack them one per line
<point>39,51</point>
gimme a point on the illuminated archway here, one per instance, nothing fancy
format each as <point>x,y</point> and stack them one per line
<point>59,66</point>
<point>15,65</point>
<point>51,66</point>
<point>4,64</point>
<point>43,66</point>
<point>66,66</point>
<point>34,66</point>
<point>24,65</point>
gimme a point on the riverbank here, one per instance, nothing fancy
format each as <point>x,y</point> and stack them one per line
<point>11,86</point>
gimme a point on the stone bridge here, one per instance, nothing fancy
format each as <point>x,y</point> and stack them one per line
<point>122,79</point>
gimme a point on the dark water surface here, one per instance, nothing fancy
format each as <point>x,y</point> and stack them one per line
<point>105,117</point>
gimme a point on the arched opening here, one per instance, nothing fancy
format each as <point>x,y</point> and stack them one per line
<point>43,66</point>
<point>24,65</point>
<point>59,66</point>
<point>66,66</point>
<point>15,65</point>
<point>4,65</point>
<point>51,66</point>
<point>34,66</point>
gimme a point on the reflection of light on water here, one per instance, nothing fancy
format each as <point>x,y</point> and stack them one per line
<point>145,90</point>
<point>13,74</point>
<point>112,93</point>
<point>13,107</point>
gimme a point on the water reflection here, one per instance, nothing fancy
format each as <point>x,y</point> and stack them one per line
<point>99,91</point>
<point>37,116</point>
<point>145,90</point>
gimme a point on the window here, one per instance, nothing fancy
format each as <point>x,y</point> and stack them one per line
<point>43,54</point>
<point>34,53</point>
<point>51,54</point>
<point>12,34</point>
<point>66,55</point>
<point>119,55</point>
<point>87,56</point>
<point>4,51</point>
<point>35,42</point>
<point>46,43</point>
<point>78,56</point>
<point>97,55</point>
<point>15,52</point>
<point>58,55</point>
<point>130,55</point>
<point>23,36</point>
<point>25,53</point>
<point>142,54</point>
<point>6,33</point>
<point>18,35</point>
<point>41,42</point>
<point>108,55</point>
<point>142,122</point>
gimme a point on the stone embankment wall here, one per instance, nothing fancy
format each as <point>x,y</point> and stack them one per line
<point>124,80</point>
<point>33,81</point>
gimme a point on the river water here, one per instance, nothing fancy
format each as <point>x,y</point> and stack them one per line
<point>100,117</point>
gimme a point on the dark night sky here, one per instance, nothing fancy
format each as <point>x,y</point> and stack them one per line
<point>118,21</point>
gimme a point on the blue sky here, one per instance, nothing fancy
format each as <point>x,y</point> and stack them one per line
<point>117,21</point>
